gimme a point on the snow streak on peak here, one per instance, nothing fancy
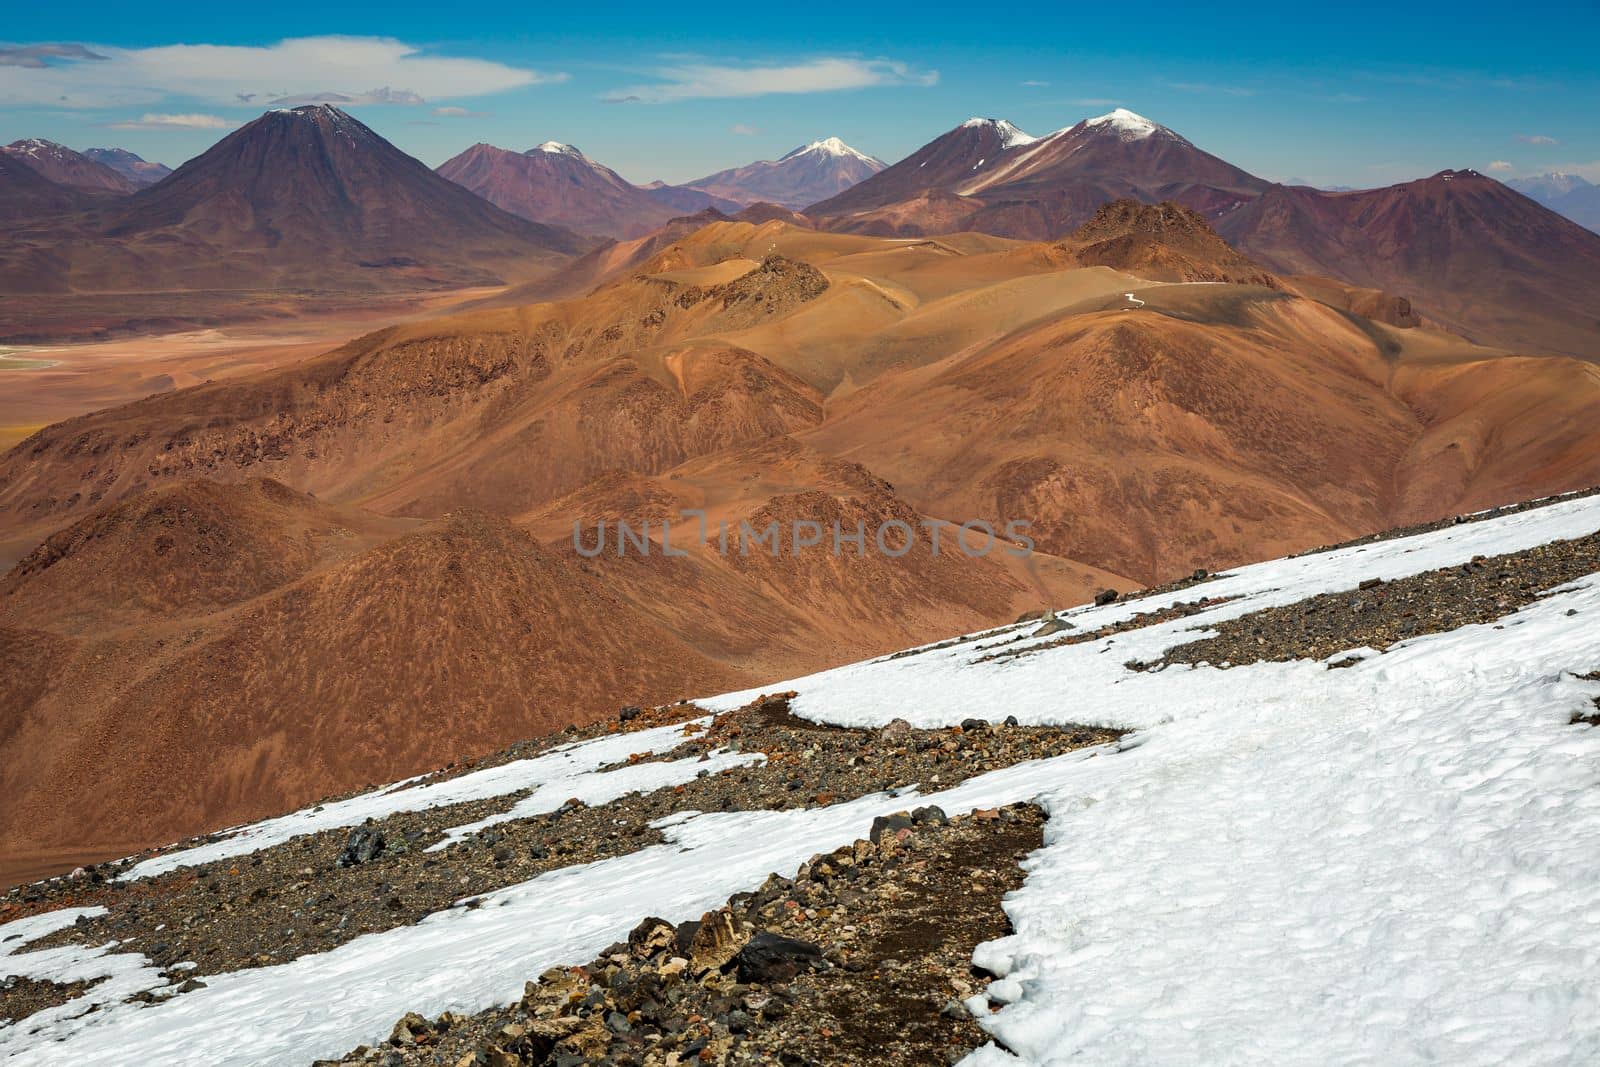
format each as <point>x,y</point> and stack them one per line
<point>1129,126</point>
<point>32,146</point>
<point>832,146</point>
<point>557,148</point>
<point>1010,135</point>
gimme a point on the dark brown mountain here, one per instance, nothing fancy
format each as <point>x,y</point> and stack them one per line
<point>139,171</point>
<point>1163,242</point>
<point>1014,185</point>
<point>299,198</point>
<point>557,184</point>
<point>810,173</point>
<point>1469,252</point>
<point>65,167</point>
<point>25,194</point>
<point>941,164</point>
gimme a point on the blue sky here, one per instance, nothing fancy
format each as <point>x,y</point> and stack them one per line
<point>1349,94</point>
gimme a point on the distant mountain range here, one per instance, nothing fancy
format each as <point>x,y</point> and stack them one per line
<point>77,170</point>
<point>311,197</point>
<point>300,197</point>
<point>988,175</point>
<point>1565,194</point>
<point>1467,251</point>
<point>556,183</point>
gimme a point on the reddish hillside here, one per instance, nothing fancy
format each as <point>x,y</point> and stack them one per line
<point>557,184</point>
<point>941,164</point>
<point>65,167</point>
<point>1041,188</point>
<point>1468,252</point>
<point>25,195</point>
<point>427,601</point>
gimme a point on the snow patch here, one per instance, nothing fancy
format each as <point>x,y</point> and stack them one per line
<point>1129,126</point>
<point>835,148</point>
<point>1010,135</point>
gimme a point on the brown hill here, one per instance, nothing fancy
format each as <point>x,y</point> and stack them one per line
<point>25,194</point>
<point>1471,253</point>
<point>557,184</point>
<point>63,166</point>
<point>162,729</point>
<point>761,373</point>
<point>1163,242</point>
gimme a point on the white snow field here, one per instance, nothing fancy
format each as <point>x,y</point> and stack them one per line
<point>1398,862</point>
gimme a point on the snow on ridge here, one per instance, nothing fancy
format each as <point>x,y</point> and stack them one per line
<point>832,146</point>
<point>1010,135</point>
<point>1128,125</point>
<point>558,148</point>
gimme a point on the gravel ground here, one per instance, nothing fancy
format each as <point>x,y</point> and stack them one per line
<point>854,961</point>
<point>296,898</point>
<point>1379,614</point>
<point>21,997</point>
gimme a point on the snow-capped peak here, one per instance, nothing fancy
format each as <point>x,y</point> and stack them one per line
<point>832,146</point>
<point>1126,124</point>
<point>557,148</point>
<point>1010,135</point>
<point>34,146</point>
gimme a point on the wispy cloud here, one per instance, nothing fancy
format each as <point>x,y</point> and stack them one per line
<point>1344,98</point>
<point>743,130</point>
<point>295,68</point>
<point>1207,87</point>
<point>700,81</point>
<point>1500,165</point>
<point>385,95</point>
<point>37,56</point>
<point>174,122</point>
<point>459,113</point>
<point>1034,83</point>
<point>1536,138</point>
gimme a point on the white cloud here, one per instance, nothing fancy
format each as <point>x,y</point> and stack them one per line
<point>232,75</point>
<point>743,130</point>
<point>174,122</point>
<point>1536,138</point>
<point>698,81</point>
<point>385,95</point>
<point>459,113</point>
<point>1501,165</point>
<point>1034,83</point>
